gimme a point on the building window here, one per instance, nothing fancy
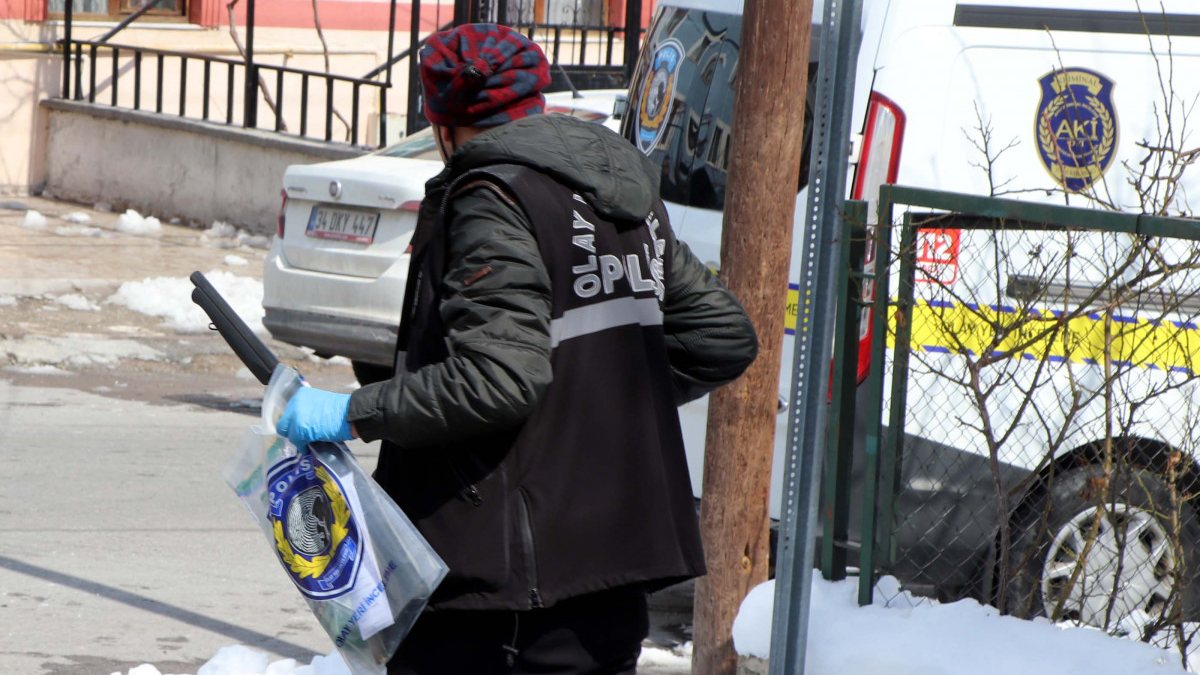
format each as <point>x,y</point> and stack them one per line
<point>115,10</point>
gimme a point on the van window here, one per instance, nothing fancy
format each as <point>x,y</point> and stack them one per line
<point>687,66</point>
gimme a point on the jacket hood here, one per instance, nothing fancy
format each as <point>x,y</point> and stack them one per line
<point>617,181</point>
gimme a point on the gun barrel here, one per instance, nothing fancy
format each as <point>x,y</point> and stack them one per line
<point>255,354</point>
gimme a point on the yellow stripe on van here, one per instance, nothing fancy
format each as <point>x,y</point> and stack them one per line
<point>951,327</point>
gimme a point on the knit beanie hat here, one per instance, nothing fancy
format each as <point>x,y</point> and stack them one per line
<point>482,75</point>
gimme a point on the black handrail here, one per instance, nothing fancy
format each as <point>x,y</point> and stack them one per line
<point>236,62</point>
<point>160,57</point>
<point>402,55</point>
<point>66,49</point>
<point>128,20</point>
<point>527,30</point>
<point>579,39</point>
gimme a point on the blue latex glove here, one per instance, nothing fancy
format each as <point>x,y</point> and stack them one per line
<point>315,415</point>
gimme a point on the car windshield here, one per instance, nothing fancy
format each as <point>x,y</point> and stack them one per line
<point>421,145</point>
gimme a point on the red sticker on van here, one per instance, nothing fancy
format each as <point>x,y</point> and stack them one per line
<point>937,255</point>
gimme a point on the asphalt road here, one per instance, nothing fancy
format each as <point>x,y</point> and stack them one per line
<point>121,544</point>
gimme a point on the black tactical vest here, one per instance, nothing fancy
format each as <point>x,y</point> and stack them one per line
<point>592,492</point>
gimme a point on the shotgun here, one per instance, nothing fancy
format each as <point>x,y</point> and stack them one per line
<point>252,351</point>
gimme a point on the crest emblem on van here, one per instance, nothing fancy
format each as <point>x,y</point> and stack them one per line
<point>657,94</point>
<point>1076,127</point>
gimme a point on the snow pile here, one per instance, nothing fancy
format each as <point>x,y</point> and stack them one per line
<point>220,230</point>
<point>38,370</point>
<point>236,261</point>
<point>77,302</point>
<point>253,240</point>
<point>240,660</point>
<point>34,221</point>
<point>78,218</point>
<point>223,235</point>
<point>74,349</point>
<point>78,231</point>
<point>923,637</point>
<point>7,301</point>
<point>324,360</point>
<point>171,299</point>
<point>132,222</point>
<point>675,660</point>
<point>220,235</point>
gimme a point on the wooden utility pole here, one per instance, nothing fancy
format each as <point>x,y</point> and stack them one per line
<point>764,169</point>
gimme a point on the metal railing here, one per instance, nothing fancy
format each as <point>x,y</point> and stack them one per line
<point>1023,429</point>
<point>233,87</point>
<point>127,65</point>
<point>569,45</point>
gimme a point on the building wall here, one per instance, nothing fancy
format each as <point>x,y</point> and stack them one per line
<point>170,167</point>
<point>355,35</point>
<point>30,72</point>
<point>22,123</point>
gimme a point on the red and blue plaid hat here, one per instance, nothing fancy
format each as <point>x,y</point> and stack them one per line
<point>482,75</point>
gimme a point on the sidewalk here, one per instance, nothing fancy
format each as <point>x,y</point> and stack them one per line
<point>123,544</point>
<point>87,252</point>
<point>59,269</point>
<point>130,548</point>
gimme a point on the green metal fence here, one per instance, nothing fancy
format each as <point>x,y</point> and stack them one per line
<point>1026,434</point>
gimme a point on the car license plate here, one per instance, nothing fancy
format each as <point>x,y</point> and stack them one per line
<point>342,224</point>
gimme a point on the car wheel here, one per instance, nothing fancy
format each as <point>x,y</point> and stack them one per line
<point>1132,573</point>
<point>369,373</point>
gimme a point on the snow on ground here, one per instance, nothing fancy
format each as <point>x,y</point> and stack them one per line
<point>34,221</point>
<point>80,231</point>
<point>220,236</point>
<point>920,637</point>
<point>910,636</point>
<point>77,302</point>
<point>132,222</point>
<point>38,370</point>
<point>242,660</point>
<point>171,299</point>
<point>236,261</point>
<point>223,235</point>
<point>678,660</point>
<point>78,218</point>
<point>74,349</point>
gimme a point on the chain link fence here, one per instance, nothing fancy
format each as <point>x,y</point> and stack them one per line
<point>1042,363</point>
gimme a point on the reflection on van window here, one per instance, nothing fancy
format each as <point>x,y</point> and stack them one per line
<point>693,147</point>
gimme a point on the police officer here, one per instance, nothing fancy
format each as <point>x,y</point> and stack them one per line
<point>551,325</point>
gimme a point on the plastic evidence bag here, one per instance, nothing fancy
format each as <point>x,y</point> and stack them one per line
<point>359,562</point>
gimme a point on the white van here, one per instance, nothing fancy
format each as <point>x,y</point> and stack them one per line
<point>1084,106</point>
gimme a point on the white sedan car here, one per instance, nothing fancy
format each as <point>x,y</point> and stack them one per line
<point>334,278</point>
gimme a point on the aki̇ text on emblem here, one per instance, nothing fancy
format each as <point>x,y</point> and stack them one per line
<point>1076,127</point>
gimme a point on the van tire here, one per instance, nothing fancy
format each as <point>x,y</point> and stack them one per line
<point>1049,529</point>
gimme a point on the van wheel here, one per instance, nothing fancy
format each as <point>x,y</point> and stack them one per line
<point>1100,553</point>
<point>370,373</point>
